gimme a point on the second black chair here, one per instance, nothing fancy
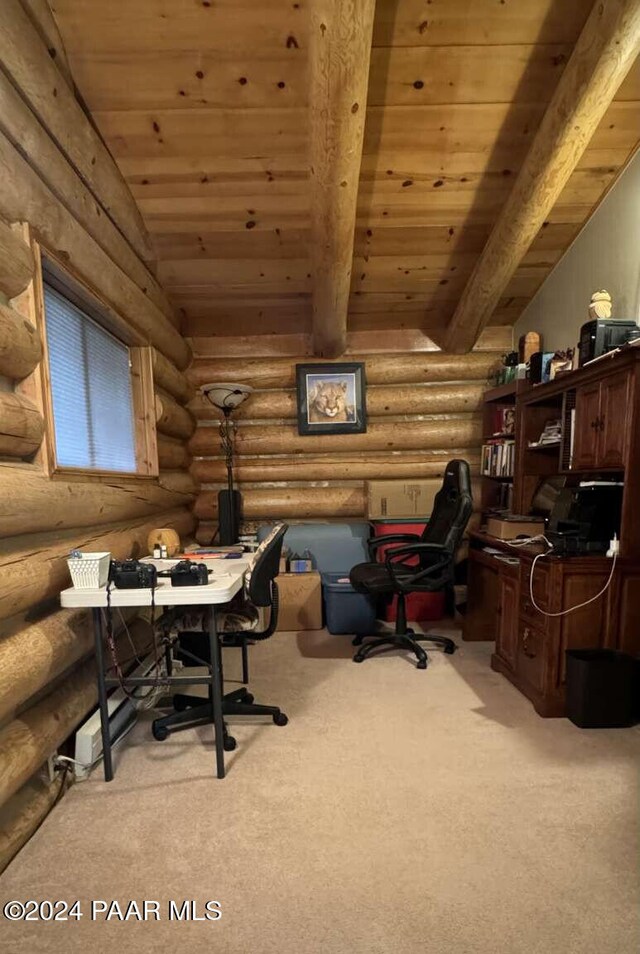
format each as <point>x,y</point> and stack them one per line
<point>261,590</point>
<point>400,574</point>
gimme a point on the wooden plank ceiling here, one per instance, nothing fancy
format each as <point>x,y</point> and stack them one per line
<point>203,103</point>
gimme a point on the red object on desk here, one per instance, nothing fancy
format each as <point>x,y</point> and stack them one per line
<point>420,606</point>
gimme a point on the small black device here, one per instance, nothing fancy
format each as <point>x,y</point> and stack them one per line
<point>186,573</point>
<point>602,335</point>
<point>133,575</point>
<point>585,518</point>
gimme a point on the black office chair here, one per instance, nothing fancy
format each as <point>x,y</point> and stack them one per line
<point>260,590</point>
<point>435,549</point>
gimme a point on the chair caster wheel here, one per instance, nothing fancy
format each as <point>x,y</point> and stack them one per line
<point>179,704</point>
<point>229,743</point>
<point>422,664</point>
<point>450,650</point>
<point>358,658</point>
<point>159,732</point>
<point>248,700</point>
<point>280,719</point>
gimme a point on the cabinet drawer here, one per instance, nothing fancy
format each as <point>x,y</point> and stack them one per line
<point>541,590</point>
<point>532,655</point>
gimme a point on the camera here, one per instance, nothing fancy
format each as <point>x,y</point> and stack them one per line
<point>186,573</point>
<point>133,575</point>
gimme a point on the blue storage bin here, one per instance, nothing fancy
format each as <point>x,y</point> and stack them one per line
<point>346,611</point>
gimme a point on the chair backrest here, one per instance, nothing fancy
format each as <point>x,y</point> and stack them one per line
<point>265,567</point>
<point>452,507</point>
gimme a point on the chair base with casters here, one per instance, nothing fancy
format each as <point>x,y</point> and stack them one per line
<point>402,638</point>
<point>192,711</point>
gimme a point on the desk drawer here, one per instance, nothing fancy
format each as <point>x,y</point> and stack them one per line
<point>541,590</point>
<point>532,655</point>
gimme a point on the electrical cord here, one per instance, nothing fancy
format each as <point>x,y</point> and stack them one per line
<point>578,606</point>
<point>541,538</point>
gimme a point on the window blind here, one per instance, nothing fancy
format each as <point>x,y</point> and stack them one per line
<point>90,390</point>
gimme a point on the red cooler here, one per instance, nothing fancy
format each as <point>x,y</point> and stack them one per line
<point>420,606</point>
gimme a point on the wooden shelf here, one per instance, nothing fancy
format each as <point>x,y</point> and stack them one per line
<point>504,392</point>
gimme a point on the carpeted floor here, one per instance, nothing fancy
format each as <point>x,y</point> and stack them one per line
<point>399,811</point>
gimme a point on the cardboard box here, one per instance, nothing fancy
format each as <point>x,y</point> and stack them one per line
<point>300,602</point>
<point>510,529</point>
<point>401,498</point>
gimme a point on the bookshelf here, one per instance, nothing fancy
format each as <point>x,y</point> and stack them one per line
<point>498,454</point>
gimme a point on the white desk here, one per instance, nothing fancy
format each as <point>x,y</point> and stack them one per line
<point>225,579</point>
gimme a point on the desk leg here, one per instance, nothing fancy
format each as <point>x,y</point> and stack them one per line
<point>217,690</point>
<point>102,696</point>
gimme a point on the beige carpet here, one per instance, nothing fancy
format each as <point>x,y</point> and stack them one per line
<point>399,811</point>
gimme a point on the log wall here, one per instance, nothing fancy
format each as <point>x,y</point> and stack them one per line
<point>423,409</point>
<point>58,182</point>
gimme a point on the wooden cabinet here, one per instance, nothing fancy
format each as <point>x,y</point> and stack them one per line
<point>530,645</point>
<point>586,423</point>
<point>601,423</point>
<point>507,629</point>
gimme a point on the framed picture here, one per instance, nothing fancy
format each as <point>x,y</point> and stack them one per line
<point>331,398</point>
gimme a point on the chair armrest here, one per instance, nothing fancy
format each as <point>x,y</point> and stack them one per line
<point>413,550</point>
<point>416,548</point>
<point>374,542</point>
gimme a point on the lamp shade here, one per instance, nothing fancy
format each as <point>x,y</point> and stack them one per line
<point>226,396</point>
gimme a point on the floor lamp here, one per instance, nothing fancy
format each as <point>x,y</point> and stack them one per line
<point>226,398</point>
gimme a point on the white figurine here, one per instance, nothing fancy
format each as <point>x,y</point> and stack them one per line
<point>600,306</point>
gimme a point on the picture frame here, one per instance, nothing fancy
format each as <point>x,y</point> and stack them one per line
<point>331,398</point>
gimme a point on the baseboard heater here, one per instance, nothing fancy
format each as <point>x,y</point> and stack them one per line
<point>122,714</point>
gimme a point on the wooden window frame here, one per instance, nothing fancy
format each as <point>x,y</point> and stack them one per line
<point>59,276</point>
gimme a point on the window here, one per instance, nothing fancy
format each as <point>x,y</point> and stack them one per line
<point>91,390</point>
<point>95,383</point>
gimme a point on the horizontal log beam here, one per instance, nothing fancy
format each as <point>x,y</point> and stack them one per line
<point>337,467</point>
<point>21,426</point>
<point>20,346</point>
<point>25,197</point>
<point>25,58</point>
<point>284,439</point>
<point>16,262</point>
<point>34,655</point>
<point>381,401</point>
<point>339,52</point>
<point>167,376</point>
<point>33,567</point>
<point>27,741</point>
<point>172,454</point>
<point>603,55</point>
<point>32,503</point>
<point>24,812</point>
<point>273,503</point>
<point>411,368</point>
<point>301,503</point>
<point>171,419</point>
<point>40,14</point>
<point>23,130</point>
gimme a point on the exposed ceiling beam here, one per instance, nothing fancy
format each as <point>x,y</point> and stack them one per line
<point>339,53</point>
<point>602,57</point>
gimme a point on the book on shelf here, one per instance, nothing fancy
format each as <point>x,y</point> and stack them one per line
<point>551,434</point>
<point>497,458</point>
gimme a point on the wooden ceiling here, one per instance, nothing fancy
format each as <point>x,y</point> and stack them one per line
<point>204,105</point>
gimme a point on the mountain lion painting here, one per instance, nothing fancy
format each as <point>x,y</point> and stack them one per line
<point>328,403</point>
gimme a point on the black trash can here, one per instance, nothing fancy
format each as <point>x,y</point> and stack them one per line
<point>601,688</point>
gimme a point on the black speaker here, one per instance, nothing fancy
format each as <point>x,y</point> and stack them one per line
<point>229,508</point>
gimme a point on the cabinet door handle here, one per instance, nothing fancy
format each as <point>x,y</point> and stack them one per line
<point>525,644</point>
<point>594,424</point>
<point>601,423</point>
